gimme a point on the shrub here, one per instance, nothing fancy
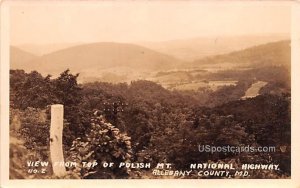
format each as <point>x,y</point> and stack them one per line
<point>104,143</point>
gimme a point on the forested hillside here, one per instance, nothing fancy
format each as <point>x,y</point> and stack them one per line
<point>274,53</point>
<point>155,124</point>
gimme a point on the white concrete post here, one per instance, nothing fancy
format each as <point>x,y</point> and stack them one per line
<point>56,132</point>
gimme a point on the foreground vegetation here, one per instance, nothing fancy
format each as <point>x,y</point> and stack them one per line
<point>144,122</point>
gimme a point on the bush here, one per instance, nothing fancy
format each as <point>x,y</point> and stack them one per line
<point>104,143</point>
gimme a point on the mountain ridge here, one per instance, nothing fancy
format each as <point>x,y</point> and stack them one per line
<point>199,47</point>
<point>19,58</point>
<point>273,53</point>
<point>124,62</point>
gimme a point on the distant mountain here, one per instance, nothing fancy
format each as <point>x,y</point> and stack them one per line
<point>120,62</point>
<point>109,60</point>
<point>43,49</point>
<point>269,63</point>
<point>270,54</point>
<point>196,48</point>
<point>20,59</point>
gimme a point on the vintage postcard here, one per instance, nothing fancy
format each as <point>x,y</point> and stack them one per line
<point>177,92</point>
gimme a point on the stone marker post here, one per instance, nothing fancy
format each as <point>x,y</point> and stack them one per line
<point>56,132</point>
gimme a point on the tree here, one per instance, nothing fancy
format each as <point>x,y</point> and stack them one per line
<point>30,90</point>
<point>68,93</point>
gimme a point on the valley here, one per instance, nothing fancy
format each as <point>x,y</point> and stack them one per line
<point>162,106</point>
<point>121,62</point>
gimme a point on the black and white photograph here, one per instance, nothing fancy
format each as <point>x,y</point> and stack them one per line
<point>149,90</point>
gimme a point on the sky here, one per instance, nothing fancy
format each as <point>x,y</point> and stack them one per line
<point>132,21</point>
